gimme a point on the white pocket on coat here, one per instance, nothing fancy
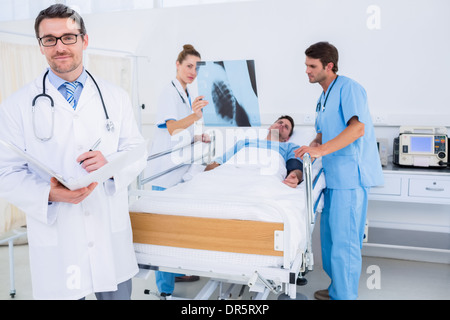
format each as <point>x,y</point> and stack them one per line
<point>120,216</point>
<point>41,234</point>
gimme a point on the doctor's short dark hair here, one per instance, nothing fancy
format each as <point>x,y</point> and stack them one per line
<point>326,52</point>
<point>288,118</point>
<point>59,11</point>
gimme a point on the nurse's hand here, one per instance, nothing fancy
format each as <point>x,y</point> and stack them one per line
<point>92,160</point>
<point>59,193</point>
<point>314,152</point>
<point>198,105</point>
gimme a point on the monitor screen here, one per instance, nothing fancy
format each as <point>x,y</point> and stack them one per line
<point>422,144</point>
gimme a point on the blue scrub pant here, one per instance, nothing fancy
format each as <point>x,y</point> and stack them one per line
<point>165,281</point>
<point>341,233</point>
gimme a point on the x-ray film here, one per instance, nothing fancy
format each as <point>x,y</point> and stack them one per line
<point>230,88</point>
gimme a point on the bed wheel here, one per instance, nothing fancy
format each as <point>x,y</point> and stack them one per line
<point>301,281</point>
<point>299,296</point>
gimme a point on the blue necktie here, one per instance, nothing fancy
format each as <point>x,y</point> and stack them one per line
<point>71,87</point>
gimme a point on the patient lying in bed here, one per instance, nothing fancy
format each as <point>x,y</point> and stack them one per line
<point>277,139</point>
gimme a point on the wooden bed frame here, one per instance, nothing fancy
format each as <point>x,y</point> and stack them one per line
<point>238,236</point>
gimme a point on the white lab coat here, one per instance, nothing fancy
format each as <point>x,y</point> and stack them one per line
<point>74,249</point>
<point>171,107</point>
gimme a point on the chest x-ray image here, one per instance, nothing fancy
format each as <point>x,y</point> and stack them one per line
<point>230,88</point>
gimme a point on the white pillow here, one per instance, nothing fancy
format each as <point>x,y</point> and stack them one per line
<point>303,135</point>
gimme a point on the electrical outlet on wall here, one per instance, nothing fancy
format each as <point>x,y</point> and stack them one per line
<point>308,119</point>
<point>378,119</point>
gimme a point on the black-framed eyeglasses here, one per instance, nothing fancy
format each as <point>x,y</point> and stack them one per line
<point>50,41</point>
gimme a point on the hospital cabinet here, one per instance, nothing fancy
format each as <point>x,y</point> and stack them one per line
<point>414,185</point>
<point>410,215</point>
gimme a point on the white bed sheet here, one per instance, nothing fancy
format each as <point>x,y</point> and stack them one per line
<point>240,191</point>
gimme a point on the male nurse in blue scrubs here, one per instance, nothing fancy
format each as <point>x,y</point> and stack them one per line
<point>347,144</point>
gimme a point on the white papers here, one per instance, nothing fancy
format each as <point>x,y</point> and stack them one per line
<point>101,175</point>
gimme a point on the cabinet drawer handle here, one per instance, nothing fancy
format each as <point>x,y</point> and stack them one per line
<point>434,189</point>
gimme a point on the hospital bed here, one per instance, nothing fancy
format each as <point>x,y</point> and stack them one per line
<point>234,228</point>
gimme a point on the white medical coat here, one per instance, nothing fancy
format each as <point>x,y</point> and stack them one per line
<point>74,249</point>
<point>171,107</point>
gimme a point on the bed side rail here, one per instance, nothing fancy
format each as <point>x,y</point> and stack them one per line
<point>210,155</point>
<point>307,172</point>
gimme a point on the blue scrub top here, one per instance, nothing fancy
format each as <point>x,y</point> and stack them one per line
<point>358,164</point>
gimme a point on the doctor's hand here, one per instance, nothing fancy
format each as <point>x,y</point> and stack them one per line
<point>92,160</point>
<point>59,193</point>
<point>198,105</point>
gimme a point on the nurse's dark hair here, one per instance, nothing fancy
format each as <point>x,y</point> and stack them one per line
<point>288,118</point>
<point>188,49</point>
<point>326,52</point>
<point>59,11</point>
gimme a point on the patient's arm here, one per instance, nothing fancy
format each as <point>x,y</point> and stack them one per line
<point>212,166</point>
<point>294,168</point>
<point>293,178</point>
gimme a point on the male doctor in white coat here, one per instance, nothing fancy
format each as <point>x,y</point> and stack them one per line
<point>80,242</point>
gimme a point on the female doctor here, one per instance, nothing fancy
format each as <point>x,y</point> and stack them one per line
<point>177,113</point>
<point>80,241</point>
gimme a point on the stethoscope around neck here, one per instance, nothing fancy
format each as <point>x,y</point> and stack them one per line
<point>109,123</point>
<point>321,108</point>
<point>181,96</point>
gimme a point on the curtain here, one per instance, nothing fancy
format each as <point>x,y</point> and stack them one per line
<point>117,70</point>
<point>19,65</point>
